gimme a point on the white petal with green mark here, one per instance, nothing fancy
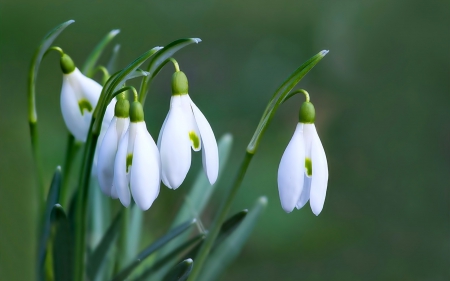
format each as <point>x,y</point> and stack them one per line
<point>320,174</point>
<point>120,182</point>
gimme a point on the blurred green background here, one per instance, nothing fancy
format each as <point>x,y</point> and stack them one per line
<point>382,98</point>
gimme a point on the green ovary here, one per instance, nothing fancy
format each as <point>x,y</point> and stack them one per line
<point>308,167</point>
<point>129,160</point>
<point>194,139</point>
<point>84,104</point>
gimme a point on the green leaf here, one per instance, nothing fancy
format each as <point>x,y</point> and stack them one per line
<point>279,96</point>
<point>181,271</point>
<point>153,248</point>
<point>97,257</point>
<point>63,252</point>
<point>168,258</point>
<point>111,66</point>
<point>230,248</point>
<point>134,229</point>
<point>35,63</point>
<point>52,199</point>
<point>88,67</point>
<point>160,60</point>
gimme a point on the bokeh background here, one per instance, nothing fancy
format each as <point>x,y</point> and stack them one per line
<point>382,98</point>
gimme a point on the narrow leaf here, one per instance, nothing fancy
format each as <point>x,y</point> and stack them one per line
<point>230,248</point>
<point>97,257</point>
<point>279,96</point>
<point>169,257</point>
<point>111,66</point>
<point>52,199</point>
<point>181,271</point>
<point>93,57</point>
<point>63,252</point>
<point>153,248</point>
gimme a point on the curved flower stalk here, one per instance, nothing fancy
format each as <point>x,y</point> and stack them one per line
<point>79,97</point>
<point>185,127</point>
<point>107,149</point>
<point>137,163</point>
<point>303,170</point>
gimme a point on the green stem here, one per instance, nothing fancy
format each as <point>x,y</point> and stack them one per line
<point>220,217</point>
<point>175,64</point>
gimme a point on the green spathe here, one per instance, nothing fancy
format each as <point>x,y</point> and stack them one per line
<point>122,108</point>
<point>307,113</point>
<point>84,104</point>
<point>308,166</point>
<point>179,83</point>
<point>136,112</point>
<point>67,64</point>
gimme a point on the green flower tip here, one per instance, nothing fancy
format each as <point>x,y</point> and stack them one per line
<point>122,108</point>
<point>136,112</point>
<point>179,83</point>
<point>307,113</point>
<point>67,64</point>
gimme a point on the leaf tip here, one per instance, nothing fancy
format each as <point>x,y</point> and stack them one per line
<point>70,21</point>
<point>114,32</point>
<point>188,261</point>
<point>197,40</point>
<point>263,200</point>
<point>324,52</point>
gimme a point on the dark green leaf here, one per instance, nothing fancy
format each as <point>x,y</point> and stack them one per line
<point>93,57</point>
<point>112,64</point>
<point>63,251</point>
<point>181,271</point>
<point>52,199</point>
<point>153,248</point>
<point>97,257</point>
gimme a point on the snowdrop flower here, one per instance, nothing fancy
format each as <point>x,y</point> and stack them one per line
<point>184,127</point>
<point>303,171</point>
<point>137,163</point>
<point>79,97</point>
<point>108,147</point>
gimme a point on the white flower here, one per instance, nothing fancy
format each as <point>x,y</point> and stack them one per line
<point>137,164</point>
<point>303,171</point>
<point>184,127</point>
<point>79,97</point>
<point>107,154</point>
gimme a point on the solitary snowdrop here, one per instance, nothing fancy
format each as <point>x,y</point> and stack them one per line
<point>107,149</point>
<point>303,171</point>
<point>137,163</point>
<point>185,127</point>
<point>79,97</point>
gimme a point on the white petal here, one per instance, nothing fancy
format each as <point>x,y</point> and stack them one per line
<point>175,147</point>
<point>90,89</point>
<point>192,129</point>
<point>210,153</point>
<point>145,180</point>
<point>304,197</point>
<point>319,174</point>
<point>291,171</point>
<point>107,154</point>
<point>162,130</point>
<point>120,172</point>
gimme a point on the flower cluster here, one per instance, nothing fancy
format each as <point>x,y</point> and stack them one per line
<point>129,162</point>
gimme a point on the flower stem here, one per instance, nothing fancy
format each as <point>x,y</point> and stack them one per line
<point>220,217</point>
<point>175,64</point>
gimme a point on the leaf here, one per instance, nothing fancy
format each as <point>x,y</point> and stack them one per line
<point>35,63</point>
<point>52,199</point>
<point>160,60</point>
<point>197,199</point>
<point>230,248</point>
<point>279,96</point>
<point>169,257</point>
<point>153,248</point>
<point>134,229</point>
<point>111,66</point>
<point>88,67</point>
<point>181,271</point>
<point>63,252</point>
<point>97,257</point>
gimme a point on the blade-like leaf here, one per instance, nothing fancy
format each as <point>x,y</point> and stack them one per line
<point>52,199</point>
<point>134,230</point>
<point>160,60</point>
<point>63,242</point>
<point>279,96</point>
<point>93,57</point>
<point>169,257</point>
<point>230,248</point>
<point>97,257</point>
<point>181,271</point>
<point>111,66</point>
<point>153,248</point>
